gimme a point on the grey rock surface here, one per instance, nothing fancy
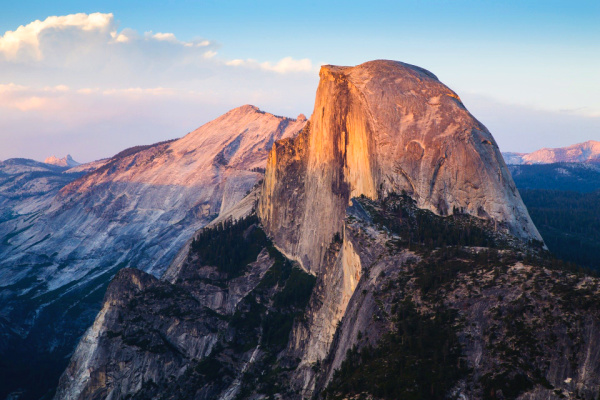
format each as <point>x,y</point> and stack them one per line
<point>153,337</point>
<point>393,194</point>
<point>515,322</point>
<point>62,239</point>
<point>380,127</point>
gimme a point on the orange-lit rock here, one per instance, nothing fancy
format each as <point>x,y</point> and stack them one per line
<point>379,127</point>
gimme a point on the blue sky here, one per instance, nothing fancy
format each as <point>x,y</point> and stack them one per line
<point>529,70</point>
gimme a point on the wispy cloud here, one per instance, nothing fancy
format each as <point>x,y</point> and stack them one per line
<point>283,66</point>
<point>23,98</point>
<point>67,76</point>
<point>93,46</point>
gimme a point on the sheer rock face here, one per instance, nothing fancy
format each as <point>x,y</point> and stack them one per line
<point>376,128</point>
<point>379,127</point>
<point>311,341</point>
<point>151,334</point>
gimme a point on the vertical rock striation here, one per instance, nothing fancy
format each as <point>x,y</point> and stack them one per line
<point>363,199</point>
<point>381,127</point>
<point>377,128</point>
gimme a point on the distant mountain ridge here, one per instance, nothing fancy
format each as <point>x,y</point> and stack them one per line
<point>59,251</point>
<point>66,161</point>
<point>27,185</point>
<point>586,152</point>
<point>575,177</point>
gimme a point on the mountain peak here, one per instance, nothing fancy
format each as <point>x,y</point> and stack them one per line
<point>380,68</point>
<point>586,152</point>
<point>378,128</point>
<point>66,161</point>
<point>247,108</point>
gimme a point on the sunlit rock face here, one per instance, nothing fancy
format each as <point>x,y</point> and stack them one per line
<point>379,127</point>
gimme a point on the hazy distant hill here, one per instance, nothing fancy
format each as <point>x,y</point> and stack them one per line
<point>66,161</point>
<point>578,177</point>
<point>563,200</point>
<point>581,152</point>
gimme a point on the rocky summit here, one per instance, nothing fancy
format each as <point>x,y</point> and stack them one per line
<point>66,161</point>
<point>386,255</point>
<point>66,232</point>
<point>377,128</point>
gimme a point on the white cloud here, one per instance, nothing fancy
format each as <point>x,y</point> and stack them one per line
<point>62,99</point>
<point>283,66</point>
<point>122,37</point>
<point>137,91</point>
<point>11,87</point>
<point>77,35</point>
<point>164,36</point>
<point>90,50</point>
<point>25,41</point>
<point>60,88</point>
<point>288,64</point>
<point>237,62</point>
<point>83,77</point>
<point>23,98</point>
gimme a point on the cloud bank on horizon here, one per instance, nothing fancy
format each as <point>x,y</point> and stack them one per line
<point>79,84</point>
<point>84,40</point>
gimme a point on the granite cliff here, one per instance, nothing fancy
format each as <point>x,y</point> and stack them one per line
<point>386,255</point>
<point>377,128</point>
<point>443,307</point>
